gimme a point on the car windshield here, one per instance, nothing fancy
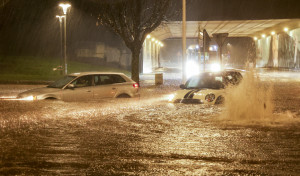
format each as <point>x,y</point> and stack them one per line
<point>209,81</point>
<point>61,82</point>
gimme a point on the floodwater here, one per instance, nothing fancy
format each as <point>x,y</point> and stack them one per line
<point>148,136</point>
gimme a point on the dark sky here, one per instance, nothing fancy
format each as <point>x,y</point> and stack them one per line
<point>30,26</point>
<point>242,9</point>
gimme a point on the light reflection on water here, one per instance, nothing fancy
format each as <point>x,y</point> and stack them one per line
<point>147,136</point>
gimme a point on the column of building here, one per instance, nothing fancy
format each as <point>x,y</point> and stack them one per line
<point>268,48</point>
<point>151,52</point>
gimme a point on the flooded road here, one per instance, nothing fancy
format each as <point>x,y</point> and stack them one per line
<point>148,136</point>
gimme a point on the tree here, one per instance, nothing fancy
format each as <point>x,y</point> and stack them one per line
<point>132,20</point>
<point>3,2</point>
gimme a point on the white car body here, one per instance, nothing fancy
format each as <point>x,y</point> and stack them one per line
<point>207,94</point>
<point>86,86</point>
<point>195,96</point>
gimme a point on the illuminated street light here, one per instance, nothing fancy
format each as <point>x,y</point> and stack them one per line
<point>65,7</point>
<point>60,17</point>
<point>65,10</point>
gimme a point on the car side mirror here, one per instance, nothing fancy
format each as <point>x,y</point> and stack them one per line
<point>182,86</point>
<point>71,86</point>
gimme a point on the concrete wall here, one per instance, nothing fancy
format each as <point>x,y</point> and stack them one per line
<point>150,56</point>
<point>90,49</point>
<point>99,53</point>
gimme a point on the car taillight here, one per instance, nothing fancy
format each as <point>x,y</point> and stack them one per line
<point>136,85</point>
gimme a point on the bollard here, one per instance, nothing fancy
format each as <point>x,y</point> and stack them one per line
<point>159,79</point>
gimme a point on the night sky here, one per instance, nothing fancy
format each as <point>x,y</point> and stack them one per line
<point>242,9</point>
<point>29,27</point>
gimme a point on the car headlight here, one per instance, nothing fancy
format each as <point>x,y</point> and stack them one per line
<point>171,97</point>
<point>210,97</point>
<point>30,98</point>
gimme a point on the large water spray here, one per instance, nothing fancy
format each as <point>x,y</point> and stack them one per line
<point>249,101</point>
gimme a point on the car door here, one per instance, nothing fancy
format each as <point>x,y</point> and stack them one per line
<point>104,86</point>
<point>121,86</point>
<point>82,90</point>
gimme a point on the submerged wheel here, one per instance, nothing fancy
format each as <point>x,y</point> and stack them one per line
<point>220,100</point>
<point>50,98</point>
<point>123,96</point>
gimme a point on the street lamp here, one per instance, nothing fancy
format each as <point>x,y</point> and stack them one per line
<point>65,7</point>
<point>61,41</point>
<point>65,10</point>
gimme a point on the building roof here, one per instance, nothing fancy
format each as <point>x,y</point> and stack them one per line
<point>235,28</point>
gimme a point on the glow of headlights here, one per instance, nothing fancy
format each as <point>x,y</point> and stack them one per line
<point>29,98</point>
<point>171,97</point>
<point>192,68</point>
<point>7,98</point>
<point>215,67</point>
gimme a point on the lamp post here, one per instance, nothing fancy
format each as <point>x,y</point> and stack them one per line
<point>61,42</point>
<point>183,40</point>
<point>65,9</point>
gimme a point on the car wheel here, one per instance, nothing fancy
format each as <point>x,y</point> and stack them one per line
<point>123,96</point>
<point>220,100</point>
<point>50,98</point>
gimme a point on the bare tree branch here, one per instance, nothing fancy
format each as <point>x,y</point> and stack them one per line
<point>132,20</point>
<point>3,3</point>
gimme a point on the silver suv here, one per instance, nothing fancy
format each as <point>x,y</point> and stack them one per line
<point>86,86</point>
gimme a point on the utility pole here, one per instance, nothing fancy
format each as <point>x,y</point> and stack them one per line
<point>61,43</point>
<point>204,50</point>
<point>220,39</point>
<point>206,40</point>
<point>65,46</point>
<point>183,40</point>
<point>199,45</point>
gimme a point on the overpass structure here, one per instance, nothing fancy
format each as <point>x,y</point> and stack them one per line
<point>276,40</point>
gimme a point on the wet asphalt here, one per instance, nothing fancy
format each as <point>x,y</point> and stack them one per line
<point>148,135</point>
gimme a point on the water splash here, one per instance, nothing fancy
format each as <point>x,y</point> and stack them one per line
<point>249,101</point>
